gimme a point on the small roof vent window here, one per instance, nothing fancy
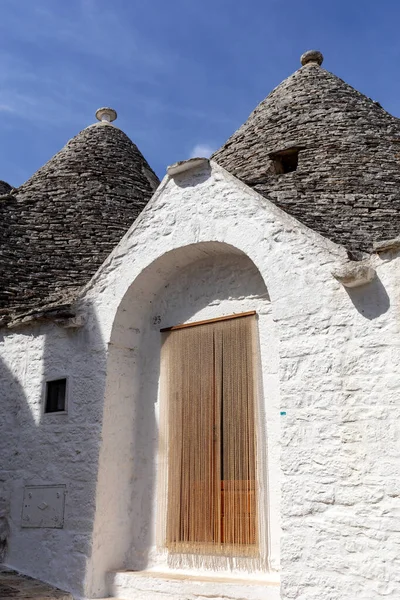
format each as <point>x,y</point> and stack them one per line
<point>285,161</point>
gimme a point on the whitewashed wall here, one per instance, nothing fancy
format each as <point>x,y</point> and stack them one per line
<point>339,361</point>
<point>50,449</point>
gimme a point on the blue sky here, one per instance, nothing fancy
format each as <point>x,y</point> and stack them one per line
<point>182,74</point>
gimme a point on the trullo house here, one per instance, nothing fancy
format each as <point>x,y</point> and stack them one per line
<point>200,377</point>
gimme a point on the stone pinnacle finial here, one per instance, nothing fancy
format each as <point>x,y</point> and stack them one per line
<point>312,56</point>
<point>106,114</point>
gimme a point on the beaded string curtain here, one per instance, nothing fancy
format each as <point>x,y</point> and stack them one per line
<point>208,425</point>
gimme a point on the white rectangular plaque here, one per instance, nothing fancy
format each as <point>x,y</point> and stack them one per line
<point>43,506</point>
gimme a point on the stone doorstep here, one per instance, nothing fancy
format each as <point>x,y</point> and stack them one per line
<point>14,586</point>
<point>146,585</point>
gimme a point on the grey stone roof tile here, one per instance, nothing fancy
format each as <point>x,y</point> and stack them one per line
<point>347,182</point>
<point>59,227</point>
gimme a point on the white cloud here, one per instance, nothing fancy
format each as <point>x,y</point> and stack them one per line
<point>202,150</point>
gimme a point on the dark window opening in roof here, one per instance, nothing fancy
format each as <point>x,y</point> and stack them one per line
<point>56,393</point>
<point>286,161</point>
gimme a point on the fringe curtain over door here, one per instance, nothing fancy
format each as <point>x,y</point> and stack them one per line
<point>209,430</point>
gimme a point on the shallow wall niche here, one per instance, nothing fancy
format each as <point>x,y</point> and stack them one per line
<point>192,283</point>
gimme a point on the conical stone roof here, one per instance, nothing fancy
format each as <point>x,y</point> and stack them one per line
<point>58,228</point>
<point>5,188</point>
<point>347,182</point>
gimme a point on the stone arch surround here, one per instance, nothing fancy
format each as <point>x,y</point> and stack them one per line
<point>194,282</point>
<point>210,207</point>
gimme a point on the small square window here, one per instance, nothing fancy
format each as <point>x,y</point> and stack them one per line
<point>56,395</point>
<point>285,161</point>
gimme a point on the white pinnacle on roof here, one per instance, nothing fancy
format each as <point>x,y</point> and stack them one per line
<point>106,114</point>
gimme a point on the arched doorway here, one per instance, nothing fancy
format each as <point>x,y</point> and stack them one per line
<point>197,282</point>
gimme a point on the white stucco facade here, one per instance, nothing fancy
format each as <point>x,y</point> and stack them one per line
<point>208,246</point>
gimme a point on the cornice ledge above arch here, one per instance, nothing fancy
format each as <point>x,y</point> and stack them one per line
<point>353,274</point>
<point>186,165</point>
<point>385,245</point>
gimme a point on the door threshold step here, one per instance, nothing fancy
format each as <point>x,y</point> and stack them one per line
<point>169,585</point>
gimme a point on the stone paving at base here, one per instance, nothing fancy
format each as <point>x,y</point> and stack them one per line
<point>14,586</point>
